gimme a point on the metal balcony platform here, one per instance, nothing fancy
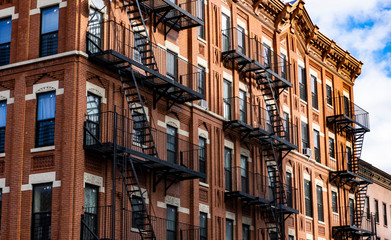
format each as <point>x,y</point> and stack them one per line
<point>348,178</point>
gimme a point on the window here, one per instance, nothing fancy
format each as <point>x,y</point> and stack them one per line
<point>137,213</point>
<point>272,182</point>
<point>229,229</point>
<point>385,214</point>
<point>269,125</point>
<point>42,212</point>
<point>227,91</point>
<point>245,232</point>
<point>304,135</point>
<point>228,169</point>
<point>201,15</point>
<point>226,29</point>
<point>203,226</point>
<point>376,211</point>
<point>95,30</point>
<point>267,54</point>
<point>49,31</point>
<point>329,95</point>
<point>5,40</point>
<point>201,79</point>
<point>319,198</point>
<point>93,118</point>
<point>351,211</point>
<point>368,212</point>
<point>291,237</point>
<point>349,158</point>
<point>172,144</point>
<point>171,222</point>
<point>348,110</point>
<point>308,198</point>
<point>1,204</point>
<point>317,146</point>
<point>286,126</point>
<point>314,90</point>
<point>172,65</point>
<point>46,109</point>
<point>202,156</point>
<point>302,83</point>
<point>244,173</point>
<point>241,40</point>
<point>289,189</point>
<point>331,147</point>
<point>3,117</point>
<point>138,54</point>
<point>283,66</point>
<point>242,106</point>
<point>91,210</point>
<point>334,201</point>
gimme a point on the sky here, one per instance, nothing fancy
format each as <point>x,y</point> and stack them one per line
<point>363,27</point>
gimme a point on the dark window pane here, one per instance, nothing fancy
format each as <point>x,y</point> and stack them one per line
<point>227,93</point>
<point>171,144</point>
<point>302,83</point>
<point>137,216</point>
<point>91,209</point>
<point>317,146</point>
<point>334,200</point>
<point>201,79</point>
<point>244,173</point>
<point>171,223</point>
<point>245,232</point>
<point>229,229</point>
<point>202,156</point>
<point>351,211</point>
<point>314,90</point>
<point>228,169</point>
<point>319,196</point>
<point>201,15</point>
<point>289,188</point>
<point>93,118</point>
<point>172,65</point>
<point>376,211</point>
<point>304,135</point>
<point>46,109</point>
<point>332,147</point>
<point>49,31</point>
<point>3,117</point>
<point>243,106</point>
<point>42,209</point>
<point>5,40</point>
<point>308,198</point>
<point>203,226</point>
<point>329,93</point>
<point>226,25</point>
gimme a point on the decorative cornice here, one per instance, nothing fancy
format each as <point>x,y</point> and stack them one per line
<point>378,176</point>
<point>341,60</point>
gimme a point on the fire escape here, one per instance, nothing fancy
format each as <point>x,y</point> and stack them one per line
<point>127,135</point>
<point>352,121</point>
<point>275,135</point>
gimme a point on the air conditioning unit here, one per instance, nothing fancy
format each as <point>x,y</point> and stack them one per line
<point>204,104</point>
<point>307,152</point>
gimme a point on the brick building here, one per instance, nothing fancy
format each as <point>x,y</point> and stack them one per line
<point>161,119</point>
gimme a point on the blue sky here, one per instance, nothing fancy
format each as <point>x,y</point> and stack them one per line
<point>363,27</point>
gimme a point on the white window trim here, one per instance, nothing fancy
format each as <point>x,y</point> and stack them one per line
<point>230,216</point>
<point>284,51</point>
<point>39,178</point>
<point>95,89</point>
<point>309,236</point>
<point>246,153</point>
<point>174,123</point>
<point>204,63</point>
<point>229,144</point>
<point>292,232</point>
<point>248,221</point>
<point>6,95</point>
<point>227,76</point>
<point>304,119</point>
<point>170,200</point>
<point>242,25</point>
<point>226,11</point>
<point>42,149</point>
<point>286,109</point>
<point>47,3</point>
<point>45,87</point>
<point>349,144</point>
<point>3,187</point>
<point>346,94</point>
<point>300,63</point>
<point>289,169</point>
<point>205,134</point>
<point>267,42</point>
<point>244,88</point>
<point>94,180</point>
<point>314,73</point>
<point>307,176</point>
<point>205,209</point>
<point>329,83</point>
<point>9,12</point>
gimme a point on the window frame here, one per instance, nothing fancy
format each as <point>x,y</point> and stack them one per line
<point>201,88</point>
<point>5,47</point>
<point>317,146</point>
<point>175,221</point>
<point>53,33</point>
<point>229,223</point>
<point>3,128</point>
<point>331,147</point>
<point>173,153</point>
<point>243,106</point>
<point>304,135</point>
<point>302,83</point>
<point>228,169</point>
<point>48,216</point>
<point>203,226</point>
<point>385,219</point>
<point>226,33</point>
<point>319,198</point>
<point>202,157</point>
<point>227,99</point>
<point>37,122</point>
<point>314,91</point>
<point>245,232</point>
<point>377,217</point>
<point>329,95</point>
<point>201,16</point>
<point>289,186</point>
<point>334,204</point>
<point>308,198</point>
<point>172,75</point>
<point>135,224</point>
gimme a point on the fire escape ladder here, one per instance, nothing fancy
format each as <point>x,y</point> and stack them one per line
<point>358,139</point>
<point>141,127</point>
<point>142,42</point>
<point>360,195</point>
<point>271,106</point>
<point>136,197</point>
<point>274,217</point>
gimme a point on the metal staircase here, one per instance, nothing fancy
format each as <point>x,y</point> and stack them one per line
<point>133,192</point>
<point>273,215</point>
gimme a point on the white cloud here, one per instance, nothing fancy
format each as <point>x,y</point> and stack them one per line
<point>364,28</point>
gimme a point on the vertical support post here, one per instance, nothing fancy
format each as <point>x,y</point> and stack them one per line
<point>82,227</point>
<point>114,172</point>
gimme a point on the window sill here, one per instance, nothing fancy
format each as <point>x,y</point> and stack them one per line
<point>2,155</point>
<point>316,110</point>
<point>204,184</point>
<point>202,40</point>
<point>309,218</point>
<point>301,100</point>
<point>333,159</point>
<point>335,213</point>
<point>328,105</point>
<point>42,149</point>
<point>320,222</point>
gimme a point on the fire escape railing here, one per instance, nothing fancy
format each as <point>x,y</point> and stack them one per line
<point>96,224</point>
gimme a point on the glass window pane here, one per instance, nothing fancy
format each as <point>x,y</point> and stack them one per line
<point>46,106</point>
<point>49,20</point>
<point>229,230</point>
<point>42,198</point>
<point>91,198</point>
<point>93,107</point>
<point>5,30</point>
<point>3,113</point>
